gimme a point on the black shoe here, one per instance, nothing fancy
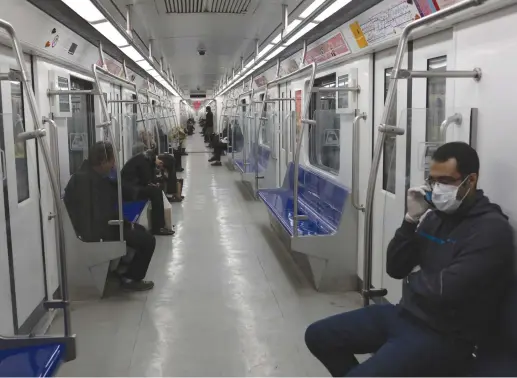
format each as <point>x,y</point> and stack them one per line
<point>180,170</point>
<point>184,154</point>
<point>216,164</point>
<point>131,285</point>
<point>212,159</point>
<point>163,232</point>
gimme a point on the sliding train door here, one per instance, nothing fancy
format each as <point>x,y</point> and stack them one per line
<point>23,287</point>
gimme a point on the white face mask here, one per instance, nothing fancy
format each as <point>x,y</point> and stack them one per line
<point>445,197</point>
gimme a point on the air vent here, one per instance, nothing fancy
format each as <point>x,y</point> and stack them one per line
<point>207,6</point>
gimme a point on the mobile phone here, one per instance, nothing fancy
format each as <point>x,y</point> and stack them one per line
<point>428,198</point>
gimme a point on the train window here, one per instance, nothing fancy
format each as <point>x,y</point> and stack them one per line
<point>324,143</point>
<point>436,93</point>
<point>342,100</point>
<point>390,144</point>
<point>263,124</point>
<point>81,125</point>
<point>20,148</point>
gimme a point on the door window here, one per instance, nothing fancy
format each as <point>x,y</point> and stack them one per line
<point>390,143</point>
<point>324,138</point>
<point>20,148</point>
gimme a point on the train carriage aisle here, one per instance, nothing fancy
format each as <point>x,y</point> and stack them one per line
<point>224,303</point>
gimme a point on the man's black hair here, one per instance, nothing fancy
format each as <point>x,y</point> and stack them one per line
<point>208,109</point>
<point>467,159</point>
<point>100,152</point>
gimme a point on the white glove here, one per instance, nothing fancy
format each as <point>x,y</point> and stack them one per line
<point>416,203</point>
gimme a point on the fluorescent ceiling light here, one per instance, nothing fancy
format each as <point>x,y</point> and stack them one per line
<point>250,63</point>
<point>292,26</point>
<point>265,50</point>
<point>311,8</point>
<point>332,9</point>
<point>131,53</point>
<point>144,64</point>
<point>301,33</point>
<point>152,71</point>
<point>85,9</point>
<point>277,38</point>
<point>260,64</point>
<point>112,34</point>
<point>277,51</point>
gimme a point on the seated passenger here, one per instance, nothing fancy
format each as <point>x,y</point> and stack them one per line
<point>170,183</point>
<point>91,200</point>
<point>221,145</point>
<point>139,174</point>
<point>456,265</point>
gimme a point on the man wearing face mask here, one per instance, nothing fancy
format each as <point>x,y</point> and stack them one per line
<point>455,263</point>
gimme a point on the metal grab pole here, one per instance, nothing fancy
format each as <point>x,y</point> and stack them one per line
<point>391,129</point>
<point>299,147</point>
<point>63,279</point>
<point>106,123</point>
<point>355,161</point>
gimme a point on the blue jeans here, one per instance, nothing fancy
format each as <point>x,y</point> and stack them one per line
<point>402,346</point>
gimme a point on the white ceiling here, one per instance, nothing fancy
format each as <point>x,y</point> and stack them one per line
<point>225,36</point>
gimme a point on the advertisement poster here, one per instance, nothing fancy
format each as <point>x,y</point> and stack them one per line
<point>298,108</point>
<point>327,49</point>
<point>427,7</point>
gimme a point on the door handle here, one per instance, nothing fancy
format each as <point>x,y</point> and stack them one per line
<point>355,162</point>
<point>456,118</point>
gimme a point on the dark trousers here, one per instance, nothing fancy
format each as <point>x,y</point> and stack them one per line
<point>154,194</point>
<point>143,243</point>
<point>177,158</point>
<point>219,147</point>
<point>402,346</point>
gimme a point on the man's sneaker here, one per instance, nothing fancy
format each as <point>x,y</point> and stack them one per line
<point>132,285</point>
<point>212,159</point>
<point>217,164</point>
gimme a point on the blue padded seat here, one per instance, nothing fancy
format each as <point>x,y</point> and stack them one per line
<point>321,199</point>
<point>132,210</point>
<point>498,357</point>
<point>31,361</point>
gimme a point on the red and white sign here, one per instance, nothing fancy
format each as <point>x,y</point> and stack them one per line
<point>197,105</point>
<point>328,49</point>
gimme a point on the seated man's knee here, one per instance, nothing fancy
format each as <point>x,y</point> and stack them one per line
<point>315,336</point>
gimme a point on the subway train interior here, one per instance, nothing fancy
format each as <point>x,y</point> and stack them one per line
<point>219,187</point>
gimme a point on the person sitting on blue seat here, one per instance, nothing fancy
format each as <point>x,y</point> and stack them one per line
<point>456,263</point>
<point>91,199</point>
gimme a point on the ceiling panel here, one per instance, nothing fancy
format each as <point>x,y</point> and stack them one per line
<point>225,29</point>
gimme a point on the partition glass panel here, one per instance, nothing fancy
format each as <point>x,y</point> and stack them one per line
<point>263,154</point>
<point>324,140</point>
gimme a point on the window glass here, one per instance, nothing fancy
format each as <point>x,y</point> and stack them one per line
<point>390,144</point>
<point>20,148</point>
<point>342,101</point>
<point>324,138</point>
<point>263,124</point>
<point>435,104</point>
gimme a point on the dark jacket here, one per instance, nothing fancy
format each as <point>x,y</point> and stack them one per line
<point>466,262</point>
<point>209,120</point>
<point>91,201</point>
<point>139,171</point>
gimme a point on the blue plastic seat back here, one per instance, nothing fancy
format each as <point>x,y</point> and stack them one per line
<point>32,361</point>
<point>132,210</point>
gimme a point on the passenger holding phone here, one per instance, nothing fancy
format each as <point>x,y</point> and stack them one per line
<point>464,249</point>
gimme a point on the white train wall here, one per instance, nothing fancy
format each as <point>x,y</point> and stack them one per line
<point>30,275</point>
<point>482,37</point>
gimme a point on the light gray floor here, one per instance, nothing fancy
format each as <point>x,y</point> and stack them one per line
<point>228,300</point>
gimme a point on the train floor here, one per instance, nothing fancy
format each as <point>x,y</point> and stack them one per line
<point>228,299</point>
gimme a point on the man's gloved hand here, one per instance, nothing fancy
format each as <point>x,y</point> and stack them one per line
<point>416,204</point>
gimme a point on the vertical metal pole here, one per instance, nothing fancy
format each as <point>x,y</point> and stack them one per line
<point>256,48</point>
<point>277,68</point>
<point>151,50</point>
<point>129,16</point>
<point>124,68</point>
<point>304,52</point>
<point>101,55</point>
<point>285,19</point>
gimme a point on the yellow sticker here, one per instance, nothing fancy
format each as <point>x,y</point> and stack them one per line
<point>358,34</point>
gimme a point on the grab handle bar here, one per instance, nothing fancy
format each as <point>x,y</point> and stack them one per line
<point>456,118</point>
<point>355,161</point>
<point>4,165</point>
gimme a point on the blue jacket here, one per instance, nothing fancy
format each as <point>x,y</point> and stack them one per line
<point>466,264</point>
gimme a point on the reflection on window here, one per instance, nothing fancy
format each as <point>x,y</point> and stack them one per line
<point>389,164</point>
<point>342,101</point>
<point>324,142</point>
